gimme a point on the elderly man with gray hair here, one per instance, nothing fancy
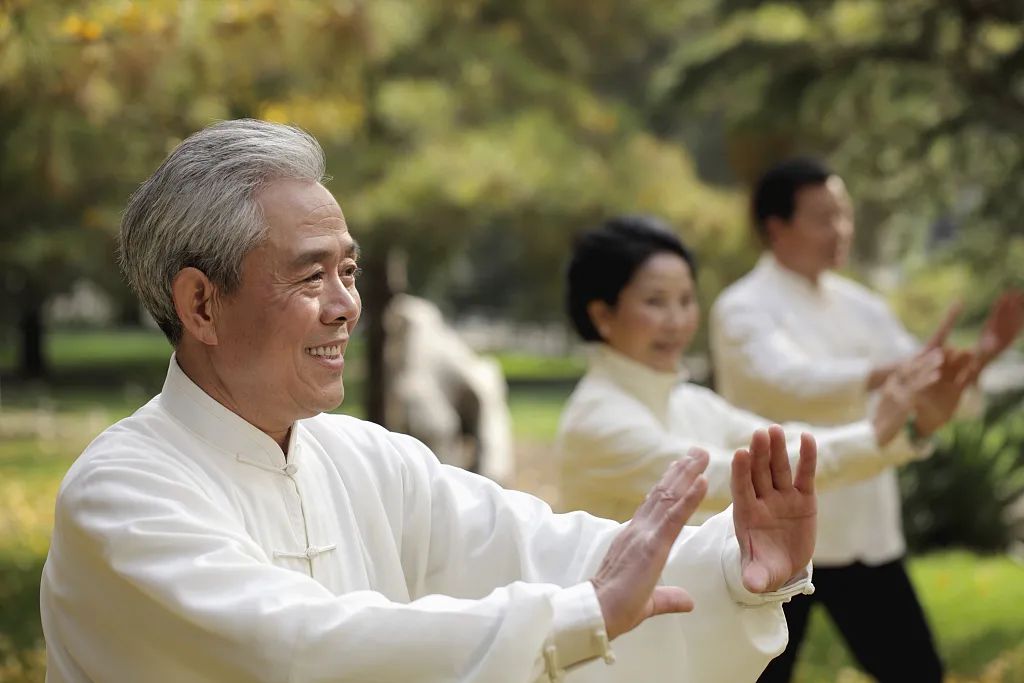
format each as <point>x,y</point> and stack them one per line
<point>230,530</point>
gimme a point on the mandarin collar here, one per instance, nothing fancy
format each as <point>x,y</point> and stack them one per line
<point>206,417</point>
<point>651,387</point>
<point>780,273</point>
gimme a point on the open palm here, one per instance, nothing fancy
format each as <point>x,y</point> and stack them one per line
<point>774,513</point>
<point>1003,324</point>
<point>936,403</point>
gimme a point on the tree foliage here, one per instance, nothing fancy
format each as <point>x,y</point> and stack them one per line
<point>919,104</point>
<point>452,127</point>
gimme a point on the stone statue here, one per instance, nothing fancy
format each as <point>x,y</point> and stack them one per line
<point>443,393</point>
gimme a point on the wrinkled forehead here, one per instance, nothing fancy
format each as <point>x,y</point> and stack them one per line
<point>303,216</point>
<point>299,203</point>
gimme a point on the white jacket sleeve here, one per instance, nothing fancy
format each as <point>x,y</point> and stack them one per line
<point>846,453</point>
<point>617,450</point>
<point>622,450</point>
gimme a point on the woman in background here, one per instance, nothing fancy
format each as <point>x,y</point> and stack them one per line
<point>631,293</point>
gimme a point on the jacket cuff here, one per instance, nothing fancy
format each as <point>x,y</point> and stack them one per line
<point>578,632</point>
<point>732,566</point>
<point>902,444</point>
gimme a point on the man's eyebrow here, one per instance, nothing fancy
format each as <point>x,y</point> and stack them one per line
<point>308,258</point>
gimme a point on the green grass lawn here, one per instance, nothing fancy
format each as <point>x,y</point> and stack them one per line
<point>976,604</point>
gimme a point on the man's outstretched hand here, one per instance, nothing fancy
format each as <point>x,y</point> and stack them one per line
<point>936,404</point>
<point>1004,323</point>
<point>774,512</point>
<point>626,582</point>
<point>941,334</point>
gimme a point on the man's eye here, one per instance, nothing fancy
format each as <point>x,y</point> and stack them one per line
<point>316,277</point>
<point>353,271</point>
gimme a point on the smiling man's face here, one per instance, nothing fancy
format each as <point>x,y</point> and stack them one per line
<point>283,331</point>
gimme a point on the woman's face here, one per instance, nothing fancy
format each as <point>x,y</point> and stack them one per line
<point>656,315</point>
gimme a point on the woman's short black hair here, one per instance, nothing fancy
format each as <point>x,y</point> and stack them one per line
<point>605,259</point>
<point>775,193</point>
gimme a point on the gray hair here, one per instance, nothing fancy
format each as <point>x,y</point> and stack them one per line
<point>199,208</point>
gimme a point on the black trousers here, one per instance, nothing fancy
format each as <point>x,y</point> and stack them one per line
<point>877,612</point>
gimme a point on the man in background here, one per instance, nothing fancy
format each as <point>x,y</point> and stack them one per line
<point>792,340</point>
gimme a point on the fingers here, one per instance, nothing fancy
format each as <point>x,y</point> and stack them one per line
<point>946,326</point>
<point>1009,307</point>
<point>760,463</point>
<point>1015,299</point>
<point>684,508</point>
<point>676,497</point>
<point>927,362</point>
<point>920,381</point>
<point>782,476</point>
<point>670,600</point>
<point>922,371</point>
<point>762,468</point>
<point>1015,302</point>
<point>700,458</point>
<point>1004,323</point>
<point>626,582</point>
<point>959,369</point>
<point>674,483</point>
<point>742,484</point>
<point>807,465</point>
<point>765,466</point>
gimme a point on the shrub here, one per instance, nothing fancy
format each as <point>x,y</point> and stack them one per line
<point>964,494</point>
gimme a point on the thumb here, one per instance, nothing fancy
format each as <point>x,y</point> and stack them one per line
<point>670,600</point>
<point>946,326</point>
<point>755,577</point>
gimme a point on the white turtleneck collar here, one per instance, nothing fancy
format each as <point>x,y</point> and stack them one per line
<point>651,387</point>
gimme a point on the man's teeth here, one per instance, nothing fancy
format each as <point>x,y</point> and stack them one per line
<point>327,351</point>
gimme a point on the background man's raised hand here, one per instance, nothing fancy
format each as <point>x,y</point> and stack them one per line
<point>902,390</point>
<point>936,404</point>
<point>882,374</point>
<point>1004,323</point>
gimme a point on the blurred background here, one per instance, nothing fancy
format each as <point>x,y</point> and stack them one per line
<point>467,141</point>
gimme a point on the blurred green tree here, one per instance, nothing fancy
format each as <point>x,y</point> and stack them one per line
<point>452,128</point>
<point>920,104</point>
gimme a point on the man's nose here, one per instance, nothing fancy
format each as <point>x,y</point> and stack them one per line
<point>342,303</point>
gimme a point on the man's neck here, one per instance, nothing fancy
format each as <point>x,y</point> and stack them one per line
<point>812,276</point>
<point>198,368</point>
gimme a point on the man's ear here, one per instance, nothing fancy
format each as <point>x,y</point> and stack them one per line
<point>773,227</point>
<point>600,315</point>
<point>194,296</point>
